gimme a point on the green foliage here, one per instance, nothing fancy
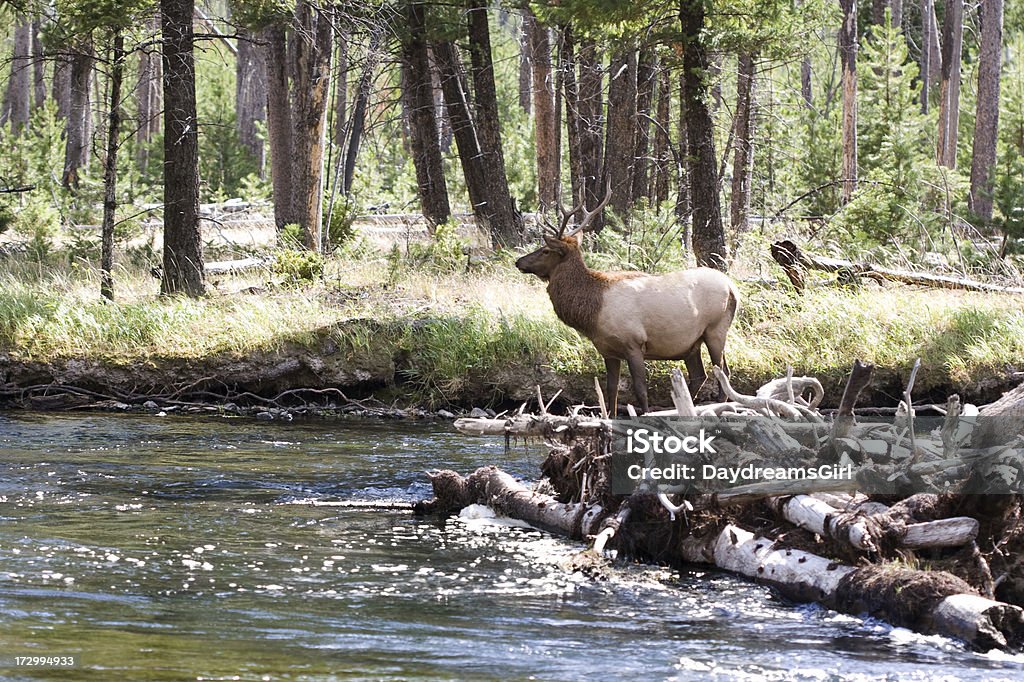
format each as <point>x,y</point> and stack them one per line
<point>650,242</point>
<point>298,266</point>
<point>902,193</point>
<point>1008,197</point>
<point>6,217</point>
<point>291,236</point>
<point>339,226</point>
<point>224,162</point>
<point>445,253</point>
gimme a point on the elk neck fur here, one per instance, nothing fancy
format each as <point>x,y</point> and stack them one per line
<point>577,293</point>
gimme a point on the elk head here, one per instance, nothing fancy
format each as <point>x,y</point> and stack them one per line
<point>558,244</point>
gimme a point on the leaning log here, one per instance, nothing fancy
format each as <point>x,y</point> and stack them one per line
<point>795,261</point>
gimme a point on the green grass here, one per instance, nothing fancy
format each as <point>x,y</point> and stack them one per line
<point>451,332</point>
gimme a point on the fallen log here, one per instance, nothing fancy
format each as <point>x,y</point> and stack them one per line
<point>932,602</point>
<point>795,261</point>
<point>233,266</point>
<point>528,426</point>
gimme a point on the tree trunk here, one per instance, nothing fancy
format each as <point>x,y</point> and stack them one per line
<point>949,88</point>
<point>79,128</point>
<point>61,86</point>
<point>986,123</point>
<point>707,235</point>
<point>454,87</point>
<point>312,56</point>
<point>279,123</point>
<point>591,126</point>
<point>526,60</point>
<point>646,77</point>
<point>805,73</point>
<point>110,170</point>
<point>848,54</point>
<point>620,140</point>
<point>567,61</point>
<point>147,97</point>
<point>506,223</point>
<point>17,105</point>
<point>743,159</point>
<point>250,96</point>
<point>38,66</point>
<point>545,124</point>
<point>662,152</point>
<point>683,192</point>
<point>183,249</point>
<point>341,93</point>
<point>927,23</point>
<point>419,100</point>
<point>358,123</point>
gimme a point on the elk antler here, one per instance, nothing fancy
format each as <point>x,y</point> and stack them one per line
<point>588,217</point>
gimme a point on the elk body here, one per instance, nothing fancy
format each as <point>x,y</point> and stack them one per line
<point>633,316</point>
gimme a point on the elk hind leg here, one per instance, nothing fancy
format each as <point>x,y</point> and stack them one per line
<point>695,371</point>
<point>635,361</point>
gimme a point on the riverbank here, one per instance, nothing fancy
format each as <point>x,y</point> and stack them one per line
<point>432,337</point>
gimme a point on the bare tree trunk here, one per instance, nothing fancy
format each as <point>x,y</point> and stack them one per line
<point>743,140</point>
<point>683,192</point>
<point>848,54</point>
<point>419,100</point>
<point>110,170</point>
<point>949,88</point>
<point>646,76</point>
<point>38,66</point>
<point>17,105</point>
<point>805,74</point>
<point>526,60</point>
<point>250,96</point>
<point>341,92</point>
<point>620,140</point>
<point>934,47</point>
<point>591,126</point>
<point>662,153</point>
<point>897,13</point>
<point>567,61</point>
<point>147,98</point>
<point>707,235</point>
<point>545,124</point>
<point>61,86</point>
<point>506,223</point>
<point>986,125</point>
<point>453,84</point>
<point>183,248</point>
<point>279,123</point>
<point>314,47</point>
<point>927,22</point>
<point>79,127</point>
<point>358,122</point>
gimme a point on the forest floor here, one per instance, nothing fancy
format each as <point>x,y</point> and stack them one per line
<point>454,334</point>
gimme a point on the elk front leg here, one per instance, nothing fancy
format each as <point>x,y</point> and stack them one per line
<point>612,368</point>
<point>636,371</point>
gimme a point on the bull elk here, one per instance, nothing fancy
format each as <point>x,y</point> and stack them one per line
<point>634,316</point>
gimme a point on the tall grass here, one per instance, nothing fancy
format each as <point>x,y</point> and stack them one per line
<point>449,330</point>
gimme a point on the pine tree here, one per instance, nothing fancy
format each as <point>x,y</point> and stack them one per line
<point>893,150</point>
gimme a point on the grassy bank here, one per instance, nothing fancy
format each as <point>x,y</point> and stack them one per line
<point>490,334</point>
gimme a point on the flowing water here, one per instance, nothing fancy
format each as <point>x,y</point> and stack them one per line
<point>173,548</point>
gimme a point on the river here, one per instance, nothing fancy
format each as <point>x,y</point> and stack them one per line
<point>172,548</point>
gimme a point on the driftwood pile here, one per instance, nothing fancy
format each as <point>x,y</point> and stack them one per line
<point>949,562</point>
